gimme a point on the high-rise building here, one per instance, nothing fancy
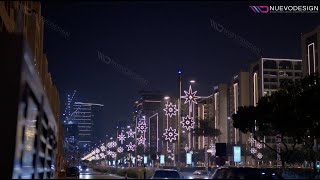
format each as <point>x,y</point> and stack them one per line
<point>266,75</point>
<point>239,95</point>
<point>220,112</point>
<point>310,51</point>
<point>150,106</point>
<point>25,17</point>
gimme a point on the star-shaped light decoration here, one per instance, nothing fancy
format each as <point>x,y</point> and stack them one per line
<point>121,138</point>
<point>142,127</point>
<point>259,145</point>
<point>170,134</point>
<point>97,151</point>
<point>130,147</point>
<point>113,155</point>
<point>102,155</point>
<point>103,148</point>
<point>170,110</point>
<point>141,140</point>
<point>251,140</point>
<point>186,148</point>
<point>253,150</point>
<point>113,144</point>
<point>109,153</point>
<point>130,133</point>
<point>120,149</point>
<point>259,156</point>
<point>190,96</point>
<point>187,122</point>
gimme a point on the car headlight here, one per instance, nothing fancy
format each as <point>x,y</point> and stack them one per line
<point>87,169</point>
<point>190,177</point>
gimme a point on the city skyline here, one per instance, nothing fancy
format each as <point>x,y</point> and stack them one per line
<point>187,40</point>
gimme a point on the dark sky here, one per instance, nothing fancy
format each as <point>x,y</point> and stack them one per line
<point>154,40</point>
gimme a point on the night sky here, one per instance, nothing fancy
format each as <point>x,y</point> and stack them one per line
<point>154,40</point>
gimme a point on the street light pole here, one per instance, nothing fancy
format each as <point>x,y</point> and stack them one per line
<point>179,117</point>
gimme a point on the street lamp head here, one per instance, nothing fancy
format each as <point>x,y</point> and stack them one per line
<point>192,81</point>
<point>166,97</point>
<point>179,72</point>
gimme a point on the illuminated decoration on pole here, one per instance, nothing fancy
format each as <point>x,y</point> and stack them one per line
<point>186,148</point>
<point>139,158</point>
<point>109,145</point>
<point>102,155</point>
<point>97,157</point>
<point>141,140</point>
<point>190,96</point>
<point>103,148</point>
<point>113,155</point>
<point>259,145</point>
<point>121,138</point>
<point>170,134</point>
<point>109,153</point>
<point>130,133</point>
<point>170,110</point>
<point>142,127</point>
<point>187,122</point>
<point>251,140</point>
<point>259,155</point>
<point>253,150</point>
<point>212,149</point>
<point>113,144</point>
<point>130,147</point>
<point>97,151</point>
<point>120,149</point>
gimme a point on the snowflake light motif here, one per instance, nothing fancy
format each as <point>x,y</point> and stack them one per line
<point>97,157</point>
<point>97,151</point>
<point>120,149</point>
<point>121,138</point>
<point>102,155</point>
<point>259,155</point>
<point>259,145</point>
<point>253,150</point>
<point>113,155</point>
<point>109,145</point>
<point>190,96</point>
<point>109,153</point>
<point>170,134</point>
<point>103,148</point>
<point>187,122</point>
<point>141,140</point>
<point>251,140</point>
<point>186,148</point>
<point>142,127</point>
<point>130,133</point>
<point>170,110</point>
<point>113,144</point>
<point>130,147</point>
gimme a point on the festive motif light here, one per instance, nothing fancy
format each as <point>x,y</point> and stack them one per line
<point>259,155</point>
<point>253,150</point>
<point>113,155</point>
<point>212,148</point>
<point>139,158</point>
<point>170,134</point>
<point>97,151</point>
<point>130,133</point>
<point>109,153</point>
<point>120,149</point>
<point>191,152</point>
<point>251,140</point>
<point>102,155</point>
<point>190,96</point>
<point>103,148</point>
<point>170,110</point>
<point>113,144</point>
<point>122,138</point>
<point>109,145</point>
<point>141,140</point>
<point>187,122</point>
<point>130,147</point>
<point>186,148</point>
<point>142,127</point>
<point>259,145</point>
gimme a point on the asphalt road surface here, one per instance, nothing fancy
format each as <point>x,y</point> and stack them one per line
<point>90,174</point>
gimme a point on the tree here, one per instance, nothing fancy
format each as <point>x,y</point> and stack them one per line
<point>206,129</point>
<point>291,112</point>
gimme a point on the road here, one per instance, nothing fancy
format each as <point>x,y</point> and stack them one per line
<point>90,174</point>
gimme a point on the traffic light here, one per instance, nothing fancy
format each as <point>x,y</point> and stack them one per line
<point>318,165</point>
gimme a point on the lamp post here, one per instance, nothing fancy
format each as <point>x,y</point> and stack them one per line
<point>179,117</point>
